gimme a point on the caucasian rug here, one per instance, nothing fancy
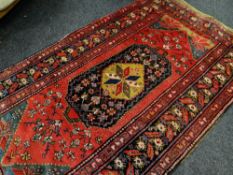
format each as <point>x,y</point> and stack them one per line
<point>130,94</point>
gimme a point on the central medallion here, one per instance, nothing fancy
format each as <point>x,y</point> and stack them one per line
<point>123,81</point>
<point>101,95</point>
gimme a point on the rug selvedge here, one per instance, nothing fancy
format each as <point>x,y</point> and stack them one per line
<point>48,117</point>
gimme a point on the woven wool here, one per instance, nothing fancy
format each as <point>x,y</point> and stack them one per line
<point>130,93</point>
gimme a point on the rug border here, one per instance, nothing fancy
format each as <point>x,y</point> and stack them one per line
<point>200,138</point>
<point>52,47</point>
<point>66,37</point>
<point>202,14</point>
<point>211,125</point>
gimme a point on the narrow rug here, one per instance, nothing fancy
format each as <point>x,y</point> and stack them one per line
<point>129,94</point>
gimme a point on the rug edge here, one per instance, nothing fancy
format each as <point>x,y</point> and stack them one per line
<point>199,139</point>
<point>205,15</point>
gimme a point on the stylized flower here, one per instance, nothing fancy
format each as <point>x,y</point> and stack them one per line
<point>177,112</point>
<point>70,50</point>
<point>26,144</point>
<point>85,82</point>
<point>85,41</point>
<point>47,102</point>
<point>64,59</point>
<point>158,73</point>
<point>129,22</point>
<point>23,81</point>
<point>58,123</point>
<point>194,19</point>
<point>146,62</point>
<point>103,31</point>
<point>207,80</point>
<point>142,14</point>
<point>59,94</point>
<point>103,116</point>
<point>220,67</point>
<point>118,23</point>
<point>178,46</point>
<point>140,145</point>
<point>221,78</point>
<point>104,106</point>
<point>138,162</point>
<point>17,141</point>
<point>50,60</point>
<point>93,84</point>
<point>176,39</point>
<point>49,93</point>
<point>78,88</point>
<point>91,117</point>
<point>75,131</point>
<point>184,59</point>
<point>87,133</point>
<point>59,155</point>
<point>192,93</point>
<point>48,139</point>
<point>81,49</point>
<point>166,46</point>
<point>93,77</point>
<point>152,78</point>
<point>132,15</point>
<point>111,103</point>
<point>111,111</point>
<point>32,71</point>
<point>26,156</point>
<point>71,155</point>
<point>37,136</point>
<point>96,40</point>
<point>39,126</point>
<point>193,108</point>
<point>119,164</point>
<point>119,106</point>
<point>88,146</point>
<point>161,127</point>
<point>45,70</point>
<point>95,100</point>
<point>128,57</point>
<point>75,143</point>
<point>115,30</point>
<point>158,143</point>
<point>75,98</point>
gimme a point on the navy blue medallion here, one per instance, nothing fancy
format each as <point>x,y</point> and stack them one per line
<point>101,95</point>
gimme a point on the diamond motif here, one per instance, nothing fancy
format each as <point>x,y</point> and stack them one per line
<point>123,81</point>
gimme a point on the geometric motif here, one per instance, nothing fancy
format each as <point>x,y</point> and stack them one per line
<point>123,81</point>
<point>104,93</point>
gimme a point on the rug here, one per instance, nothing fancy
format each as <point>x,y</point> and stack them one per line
<point>131,93</point>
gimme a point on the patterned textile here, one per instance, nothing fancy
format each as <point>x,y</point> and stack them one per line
<point>129,94</point>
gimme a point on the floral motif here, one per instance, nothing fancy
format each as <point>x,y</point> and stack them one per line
<point>104,93</point>
<point>47,65</point>
<point>148,145</point>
